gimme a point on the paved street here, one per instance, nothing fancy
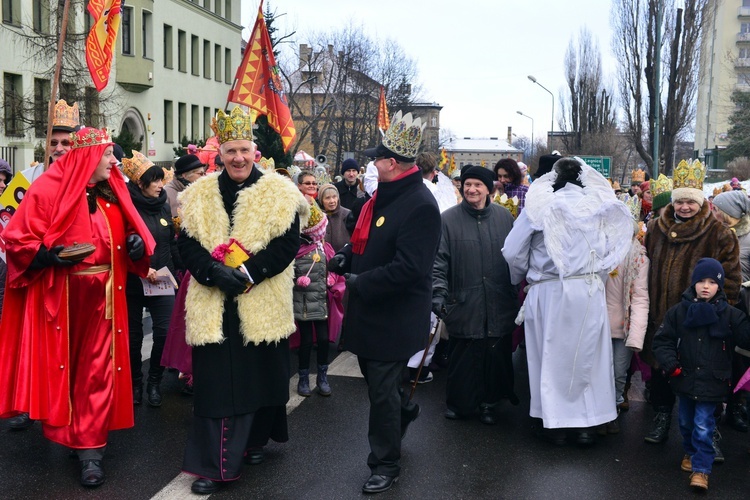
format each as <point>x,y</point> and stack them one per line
<point>325,457</point>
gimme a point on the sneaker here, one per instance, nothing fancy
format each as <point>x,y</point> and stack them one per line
<point>699,480</point>
<point>687,463</point>
<point>424,377</point>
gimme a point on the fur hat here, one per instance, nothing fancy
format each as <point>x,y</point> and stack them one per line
<point>349,164</point>
<point>187,163</point>
<point>733,203</point>
<point>708,268</point>
<point>476,172</point>
<point>545,164</point>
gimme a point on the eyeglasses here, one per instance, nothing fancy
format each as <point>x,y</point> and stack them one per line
<point>65,143</point>
<point>310,183</point>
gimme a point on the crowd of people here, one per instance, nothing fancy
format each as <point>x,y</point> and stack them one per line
<point>406,267</point>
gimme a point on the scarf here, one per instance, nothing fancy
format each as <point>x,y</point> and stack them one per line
<point>362,229</point>
<point>701,313</point>
<point>145,204</point>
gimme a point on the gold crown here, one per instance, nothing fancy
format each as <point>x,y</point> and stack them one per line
<point>267,163</point>
<point>316,215</point>
<point>65,117</point>
<point>234,126</point>
<point>134,167</point>
<point>89,136</point>
<point>168,175</point>
<point>689,175</point>
<point>634,205</point>
<point>638,175</point>
<point>661,185</point>
<point>404,135</point>
<point>616,186</point>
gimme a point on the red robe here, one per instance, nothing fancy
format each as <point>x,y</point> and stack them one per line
<point>38,350</point>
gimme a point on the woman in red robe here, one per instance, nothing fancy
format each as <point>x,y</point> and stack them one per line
<point>63,336</point>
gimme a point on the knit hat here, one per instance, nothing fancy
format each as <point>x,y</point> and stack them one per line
<point>322,191</point>
<point>187,163</point>
<point>733,203</point>
<point>645,186</point>
<point>476,172</point>
<point>708,268</point>
<point>316,224</point>
<point>688,181</point>
<point>349,164</point>
<point>661,192</point>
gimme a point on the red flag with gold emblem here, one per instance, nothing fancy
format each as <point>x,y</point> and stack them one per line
<point>257,83</point>
<point>101,39</point>
<point>383,121</point>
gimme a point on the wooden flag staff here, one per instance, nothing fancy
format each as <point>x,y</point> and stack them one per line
<point>55,80</point>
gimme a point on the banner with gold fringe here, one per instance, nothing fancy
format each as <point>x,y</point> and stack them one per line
<point>101,39</point>
<point>258,86</point>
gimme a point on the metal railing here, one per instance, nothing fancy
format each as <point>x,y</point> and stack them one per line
<point>8,153</point>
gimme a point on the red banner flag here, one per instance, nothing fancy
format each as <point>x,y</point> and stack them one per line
<point>383,121</point>
<point>257,83</point>
<point>101,39</point>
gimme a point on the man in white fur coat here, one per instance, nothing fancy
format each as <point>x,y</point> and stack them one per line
<point>238,319</point>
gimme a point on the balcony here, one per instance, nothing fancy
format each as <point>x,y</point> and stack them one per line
<point>743,12</point>
<point>743,37</point>
<point>742,63</point>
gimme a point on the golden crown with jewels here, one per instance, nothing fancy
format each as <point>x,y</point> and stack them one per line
<point>89,136</point>
<point>65,118</point>
<point>134,167</point>
<point>404,135</point>
<point>634,206</point>
<point>234,126</point>
<point>661,185</point>
<point>689,175</point>
<point>638,175</point>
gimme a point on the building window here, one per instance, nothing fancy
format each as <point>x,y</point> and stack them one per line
<point>217,7</point>
<point>91,116</point>
<point>69,92</point>
<point>12,11</point>
<point>744,27</point>
<point>88,21</point>
<point>147,34</point>
<point>127,31</point>
<point>195,53</point>
<point>207,4</point>
<point>743,78</point>
<point>168,46</point>
<point>13,104</point>
<point>227,10</point>
<point>745,53</point>
<point>41,106</point>
<point>182,120</point>
<point>40,13</point>
<point>746,3</point>
<point>206,59</point>
<point>182,51</point>
<point>195,121</point>
<point>228,66</point>
<point>217,63</point>
<point>168,122</point>
<point>206,119</point>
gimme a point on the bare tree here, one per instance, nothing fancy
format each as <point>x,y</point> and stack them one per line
<point>634,45</point>
<point>588,115</point>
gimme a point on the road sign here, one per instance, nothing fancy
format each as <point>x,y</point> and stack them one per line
<point>599,163</point>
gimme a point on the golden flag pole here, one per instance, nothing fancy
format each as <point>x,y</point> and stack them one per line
<point>55,79</point>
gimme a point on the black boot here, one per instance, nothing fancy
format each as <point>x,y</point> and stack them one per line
<point>662,421</point>
<point>324,388</point>
<point>718,455</point>
<point>20,422</point>
<point>737,417</point>
<point>153,393</point>
<point>138,394</point>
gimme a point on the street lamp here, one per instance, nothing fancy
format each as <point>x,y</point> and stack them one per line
<point>532,131</point>
<point>552,122</point>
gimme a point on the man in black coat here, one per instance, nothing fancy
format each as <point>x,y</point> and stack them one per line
<point>389,277</point>
<point>350,194</point>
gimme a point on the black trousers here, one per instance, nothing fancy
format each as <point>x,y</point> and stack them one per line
<point>387,404</point>
<point>160,307</point>
<point>662,395</point>
<point>306,342</point>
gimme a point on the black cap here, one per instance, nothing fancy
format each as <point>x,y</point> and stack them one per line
<point>383,152</point>
<point>187,163</point>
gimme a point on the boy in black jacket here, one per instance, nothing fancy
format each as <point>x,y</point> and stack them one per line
<point>694,346</point>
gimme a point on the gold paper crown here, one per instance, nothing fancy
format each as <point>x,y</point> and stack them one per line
<point>235,126</point>
<point>316,215</point>
<point>616,186</point>
<point>89,136</point>
<point>404,135</point>
<point>689,175</point>
<point>661,185</point>
<point>634,205</point>
<point>134,167</point>
<point>638,175</point>
<point>267,163</point>
<point>65,118</point>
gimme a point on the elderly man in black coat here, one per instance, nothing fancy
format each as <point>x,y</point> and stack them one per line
<point>389,277</point>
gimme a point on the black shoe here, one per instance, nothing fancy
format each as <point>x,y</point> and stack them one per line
<point>662,421</point>
<point>153,394</point>
<point>555,436</point>
<point>585,437</point>
<point>92,473</point>
<point>20,422</point>
<point>137,394</point>
<point>408,416</point>
<point>487,416</point>
<point>378,483</point>
<point>254,456</point>
<point>736,418</point>
<point>718,455</point>
<point>205,486</point>
<point>452,415</point>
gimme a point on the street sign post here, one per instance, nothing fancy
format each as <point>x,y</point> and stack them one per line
<point>599,163</point>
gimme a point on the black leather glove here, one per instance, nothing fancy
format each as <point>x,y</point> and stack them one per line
<point>438,306</point>
<point>351,281</point>
<point>136,248</point>
<point>46,258</point>
<point>337,263</point>
<point>229,280</point>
